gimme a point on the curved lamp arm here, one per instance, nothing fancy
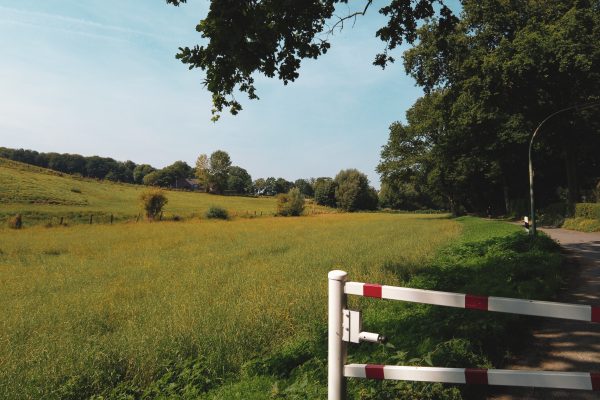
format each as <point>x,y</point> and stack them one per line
<point>533,230</point>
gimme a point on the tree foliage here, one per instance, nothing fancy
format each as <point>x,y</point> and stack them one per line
<point>325,192</point>
<point>273,37</point>
<point>219,164</point>
<point>239,180</point>
<point>202,171</point>
<point>140,171</point>
<point>305,187</point>
<point>488,83</point>
<point>352,191</point>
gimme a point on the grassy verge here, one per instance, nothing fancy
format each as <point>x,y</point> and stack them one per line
<point>582,224</point>
<point>490,259</point>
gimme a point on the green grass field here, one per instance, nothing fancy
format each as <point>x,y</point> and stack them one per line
<point>204,309</point>
<point>43,196</point>
<point>97,305</point>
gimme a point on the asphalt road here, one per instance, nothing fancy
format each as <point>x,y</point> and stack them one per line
<point>562,345</point>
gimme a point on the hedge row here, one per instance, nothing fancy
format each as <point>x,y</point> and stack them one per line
<point>587,210</point>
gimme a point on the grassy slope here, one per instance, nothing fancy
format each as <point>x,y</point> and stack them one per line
<point>77,319</point>
<point>41,194</point>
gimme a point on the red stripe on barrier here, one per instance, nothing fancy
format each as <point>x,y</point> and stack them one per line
<point>476,302</point>
<point>372,290</point>
<point>595,314</point>
<point>476,376</point>
<point>595,380</point>
<point>374,371</point>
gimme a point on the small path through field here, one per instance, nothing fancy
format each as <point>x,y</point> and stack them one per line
<point>563,345</point>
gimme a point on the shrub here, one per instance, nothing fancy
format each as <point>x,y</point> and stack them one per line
<point>290,204</point>
<point>15,222</point>
<point>153,202</point>
<point>587,210</point>
<point>216,212</point>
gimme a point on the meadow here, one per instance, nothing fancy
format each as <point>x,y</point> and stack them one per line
<point>90,306</point>
<point>225,310</point>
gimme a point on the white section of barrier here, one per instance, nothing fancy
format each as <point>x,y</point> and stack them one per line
<point>400,373</point>
<point>540,379</point>
<point>410,295</point>
<point>540,308</point>
<point>495,377</point>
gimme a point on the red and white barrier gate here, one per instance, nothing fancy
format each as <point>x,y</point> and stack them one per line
<point>345,326</point>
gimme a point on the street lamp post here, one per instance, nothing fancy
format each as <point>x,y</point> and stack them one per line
<point>533,225</point>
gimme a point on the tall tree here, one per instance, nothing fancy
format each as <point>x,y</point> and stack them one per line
<point>325,191</point>
<point>502,69</point>
<point>238,180</point>
<point>202,171</point>
<point>219,164</point>
<point>352,191</point>
<point>305,187</point>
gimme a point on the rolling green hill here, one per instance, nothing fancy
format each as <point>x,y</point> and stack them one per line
<point>44,196</point>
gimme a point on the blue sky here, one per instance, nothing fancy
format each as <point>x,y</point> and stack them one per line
<point>100,77</point>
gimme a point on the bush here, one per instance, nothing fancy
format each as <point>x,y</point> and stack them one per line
<point>290,204</point>
<point>15,222</point>
<point>216,212</point>
<point>153,202</point>
<point>587,210</point>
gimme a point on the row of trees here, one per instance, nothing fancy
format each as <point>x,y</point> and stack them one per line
<point>489,79</point>
<point>91,167</point>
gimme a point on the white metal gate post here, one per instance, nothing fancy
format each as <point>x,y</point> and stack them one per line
<point>336,355</point>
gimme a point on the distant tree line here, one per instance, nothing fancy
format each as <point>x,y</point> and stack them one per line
<point>489,79</point>
<point>90,167</point>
